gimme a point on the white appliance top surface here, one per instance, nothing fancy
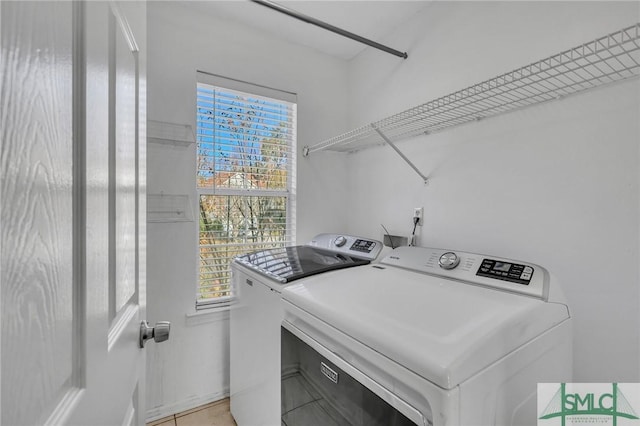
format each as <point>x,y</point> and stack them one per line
<point>441,329</point>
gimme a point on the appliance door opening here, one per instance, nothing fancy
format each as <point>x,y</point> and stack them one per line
<point>319,389</point>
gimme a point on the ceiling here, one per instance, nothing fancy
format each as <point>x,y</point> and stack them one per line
<point>369,19</point>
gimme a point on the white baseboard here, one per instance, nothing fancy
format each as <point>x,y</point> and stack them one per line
<point>187,404</point>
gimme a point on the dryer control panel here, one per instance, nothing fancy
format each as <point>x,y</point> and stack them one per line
<point>363,248</point>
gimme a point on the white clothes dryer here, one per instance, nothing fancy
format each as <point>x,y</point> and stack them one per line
<point>424,337</point>
<point>256,315</point>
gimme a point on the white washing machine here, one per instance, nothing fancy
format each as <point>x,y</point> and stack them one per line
<point>424,337</point>
<point>256,315</point>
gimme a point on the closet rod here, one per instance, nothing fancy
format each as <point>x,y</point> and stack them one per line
<point>329,27</point>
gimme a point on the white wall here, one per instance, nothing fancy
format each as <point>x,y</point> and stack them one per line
<point>192,367</point>
<point>555,184</point>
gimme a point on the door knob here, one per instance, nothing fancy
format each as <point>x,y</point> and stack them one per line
<point>160,332</point>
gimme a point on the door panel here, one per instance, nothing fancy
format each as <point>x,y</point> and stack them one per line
<point>38,286</point>
<point>73,276</point>
<point>123,99</point>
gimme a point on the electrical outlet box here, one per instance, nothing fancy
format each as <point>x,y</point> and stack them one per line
<point>418,212</point>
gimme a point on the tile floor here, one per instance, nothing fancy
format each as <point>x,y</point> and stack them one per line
<point>213,414</point>
<point>302,404</point>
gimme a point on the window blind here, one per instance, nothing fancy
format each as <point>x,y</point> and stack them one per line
<point>245,180</point>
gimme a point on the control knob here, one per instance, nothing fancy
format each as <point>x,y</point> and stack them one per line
<point>449,260</point>
<point>340,241</point>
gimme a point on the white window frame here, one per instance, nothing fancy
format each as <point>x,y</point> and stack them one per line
<point>289,193</point>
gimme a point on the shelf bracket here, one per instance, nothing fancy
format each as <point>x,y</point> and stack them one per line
<point>404,157</point>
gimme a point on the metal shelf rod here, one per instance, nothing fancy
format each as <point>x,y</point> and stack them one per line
<point>313,21</point>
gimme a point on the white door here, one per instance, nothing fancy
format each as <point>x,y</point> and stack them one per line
<point>73,212</point>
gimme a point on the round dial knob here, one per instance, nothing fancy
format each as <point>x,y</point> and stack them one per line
<point>340,241</point>
<point>449,260</point>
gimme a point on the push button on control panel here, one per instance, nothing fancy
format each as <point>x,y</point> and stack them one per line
<point>526,273</point>
<point>505,271</point>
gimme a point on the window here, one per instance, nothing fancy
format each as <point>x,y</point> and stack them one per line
<point>246,138</point>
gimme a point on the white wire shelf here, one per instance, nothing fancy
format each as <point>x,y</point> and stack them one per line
<point>605,60</point>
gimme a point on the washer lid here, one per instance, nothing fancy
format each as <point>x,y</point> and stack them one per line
<point>442,330</point>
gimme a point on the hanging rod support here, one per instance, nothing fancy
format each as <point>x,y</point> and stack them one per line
<point>404,157</point>
<point>313,21</point>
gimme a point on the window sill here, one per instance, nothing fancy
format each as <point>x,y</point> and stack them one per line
<point>208,315</point>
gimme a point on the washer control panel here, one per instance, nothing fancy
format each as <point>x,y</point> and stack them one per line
<point>513,272</point>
